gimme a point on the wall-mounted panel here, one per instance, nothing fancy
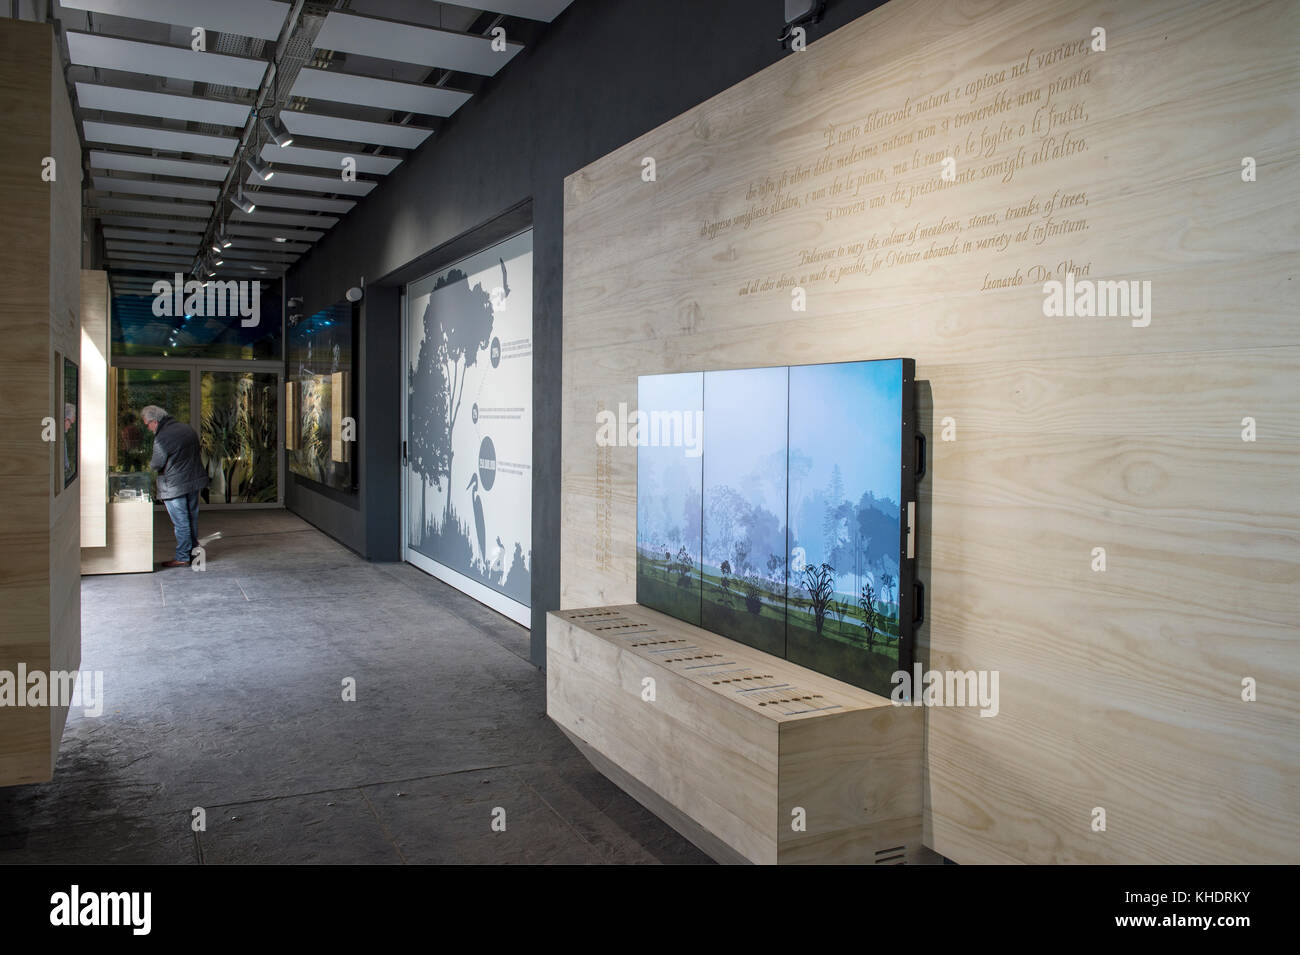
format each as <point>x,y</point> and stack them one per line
<point>910,185</point>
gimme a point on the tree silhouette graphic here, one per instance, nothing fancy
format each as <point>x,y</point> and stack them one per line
<point>466,329</point>
<point>429,448</point>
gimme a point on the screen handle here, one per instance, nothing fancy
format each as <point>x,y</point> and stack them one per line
<point>920,455</point>
<point>918,602</point>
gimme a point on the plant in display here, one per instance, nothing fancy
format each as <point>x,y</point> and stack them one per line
<point>867,604</point>
<point>683,566</point>
<point>220,445</point>
<point>753,585</point>
<point>886,585</point>
<point>819,582</point>
<point>840,609</point>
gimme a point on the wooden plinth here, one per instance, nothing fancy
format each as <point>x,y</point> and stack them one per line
<point>733,742</point>
<point>130,541</point>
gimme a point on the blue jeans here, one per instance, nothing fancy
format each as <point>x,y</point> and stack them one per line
<point>184,512</point>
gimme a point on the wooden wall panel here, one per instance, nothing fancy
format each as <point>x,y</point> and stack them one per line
<point>64,264</point>
<point>40,251</point>
<point>1119,689</point>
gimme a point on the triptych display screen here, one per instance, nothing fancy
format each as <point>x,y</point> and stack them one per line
<point>771,509</point>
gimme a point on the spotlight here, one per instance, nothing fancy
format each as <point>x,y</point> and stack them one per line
<point>216,247</point>
<point>218,262</point>
<point>244,204</point>
<point>275,129</point>
<point>260,168</point>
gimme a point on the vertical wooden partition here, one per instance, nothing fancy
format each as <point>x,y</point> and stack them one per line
<point>40,259</point>
<point>1111,519</point>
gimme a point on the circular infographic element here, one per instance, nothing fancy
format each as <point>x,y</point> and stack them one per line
<point>487,464</point>
<point>473,412</point>
<point>496,352</point>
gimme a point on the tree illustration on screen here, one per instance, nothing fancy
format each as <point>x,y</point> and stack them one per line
<point>867,603</point>
<point>466,329</point>
<point>818,582</point>
<point>429,447</point>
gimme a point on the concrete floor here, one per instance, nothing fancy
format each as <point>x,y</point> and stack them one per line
<point>224,691</point>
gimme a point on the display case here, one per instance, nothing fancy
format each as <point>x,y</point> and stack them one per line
<point>126,486</point>
<point>128,547</point>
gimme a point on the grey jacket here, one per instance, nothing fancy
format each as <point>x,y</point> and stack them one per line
<point>177,460</point>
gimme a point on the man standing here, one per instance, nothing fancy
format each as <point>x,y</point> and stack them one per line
<point>180,477</point>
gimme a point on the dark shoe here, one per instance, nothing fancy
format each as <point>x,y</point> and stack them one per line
<point>175,563</point>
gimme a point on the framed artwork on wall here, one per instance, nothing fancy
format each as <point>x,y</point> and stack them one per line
<point>71,412</point>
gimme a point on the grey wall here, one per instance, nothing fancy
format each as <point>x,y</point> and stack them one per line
<point>605,72</point>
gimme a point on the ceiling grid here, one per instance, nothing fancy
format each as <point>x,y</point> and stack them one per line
<point>175,135</point>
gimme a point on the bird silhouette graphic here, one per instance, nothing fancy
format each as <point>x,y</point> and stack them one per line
<point>478,519</point>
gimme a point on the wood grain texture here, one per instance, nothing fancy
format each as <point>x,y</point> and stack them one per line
<point>40,248</point>
<point>1119,689</point>
<point>129,549</point>
<point>735,742</point>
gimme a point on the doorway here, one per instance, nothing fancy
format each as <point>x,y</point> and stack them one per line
<point>467,425</point>
<point>234,407</point>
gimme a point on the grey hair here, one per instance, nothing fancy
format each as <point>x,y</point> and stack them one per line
<point>70,411</point>
<point>152,413</point>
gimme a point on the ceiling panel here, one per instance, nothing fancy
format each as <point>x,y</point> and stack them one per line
<point>287,200</point>
<point>406,43</point>
<point>149,235</point>
<point>384,94</point>
<point>201,210</point>
<point>241,242</point>
<point>115,99</point>
<point>270,232</point>
<point>117,247</point>
<point>283,218</point>
<point>143,222</point>
<point>326,184</point>
<point>329,159</point>
<point>259,18</point>
<point>354,130</point>
<point>172,140</point>
<point>132,56</point>
<point>153,187</point>
<point>149,258</point>
<point>546,10</point>
<point>261,258</point>
<point>181,168</point>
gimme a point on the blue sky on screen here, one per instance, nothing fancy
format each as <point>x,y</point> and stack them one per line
<point>745,433</point>
<point>848,414</point>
